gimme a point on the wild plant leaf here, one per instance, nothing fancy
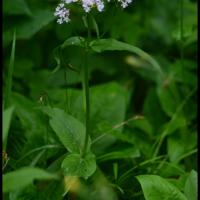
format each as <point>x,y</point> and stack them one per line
<point>7,116</point>
<point>21,178</point>
<point>114,45</point>
<point>75,165</point>
<point>157,188</point>
<point>69,130</point>
<point>180,143</point>
<point>31,26</point>
<point>16,7</point>
<point>190,189</point>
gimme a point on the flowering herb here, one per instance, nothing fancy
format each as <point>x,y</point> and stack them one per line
<point>63,13</point>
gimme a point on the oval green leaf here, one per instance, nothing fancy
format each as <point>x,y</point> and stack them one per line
<point>157,188</point>
<point>101,45</point>
<point>75,165</point>
<point>69,130</point>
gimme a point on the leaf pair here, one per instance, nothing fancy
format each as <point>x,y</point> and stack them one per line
<point>101,45</point>
<point>71,133</point>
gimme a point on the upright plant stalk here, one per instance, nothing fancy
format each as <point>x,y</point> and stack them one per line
<point>8,86</point>
<point>86,91</point>
<point>181,37</point>
<point>181,30</point>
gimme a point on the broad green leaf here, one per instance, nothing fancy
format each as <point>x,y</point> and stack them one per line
<point>74,165</point>
<point>7,116</point>
<point>16,7</point>
<point>101,45</point>
<point>191,186</point>
<point>23,177</point>
<point>31,26</point>
<point>157,188</point>
<point>69,130</point>
<point>109,108</point>
<point>120,154</point>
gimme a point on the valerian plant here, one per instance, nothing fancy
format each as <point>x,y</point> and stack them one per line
<point>75,136</point>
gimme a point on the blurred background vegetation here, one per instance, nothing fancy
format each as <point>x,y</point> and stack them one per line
<point>167,30</point>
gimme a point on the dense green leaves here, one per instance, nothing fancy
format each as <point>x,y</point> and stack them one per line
<point>22,177</point>
<point>143,93</point>
<point>157,188</point>
<point>31,26</point>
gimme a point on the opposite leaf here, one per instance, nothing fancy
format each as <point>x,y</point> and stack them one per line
<point>69,130</point>
<point>157,188</point>
<point>74,165</point>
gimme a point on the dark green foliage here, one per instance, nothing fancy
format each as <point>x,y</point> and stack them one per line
<point>142,64</point>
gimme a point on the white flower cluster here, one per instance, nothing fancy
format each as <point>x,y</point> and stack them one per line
<point>63,14</point>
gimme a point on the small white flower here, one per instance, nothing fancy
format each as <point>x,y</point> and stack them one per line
<point>62,13</point>
<point>100,5</point>
<point>59,21</point>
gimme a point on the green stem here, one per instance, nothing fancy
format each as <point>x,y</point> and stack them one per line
<point>181,30</point>
<point>86,91</point>
<point>181,36</point>
<point>87,102</point>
